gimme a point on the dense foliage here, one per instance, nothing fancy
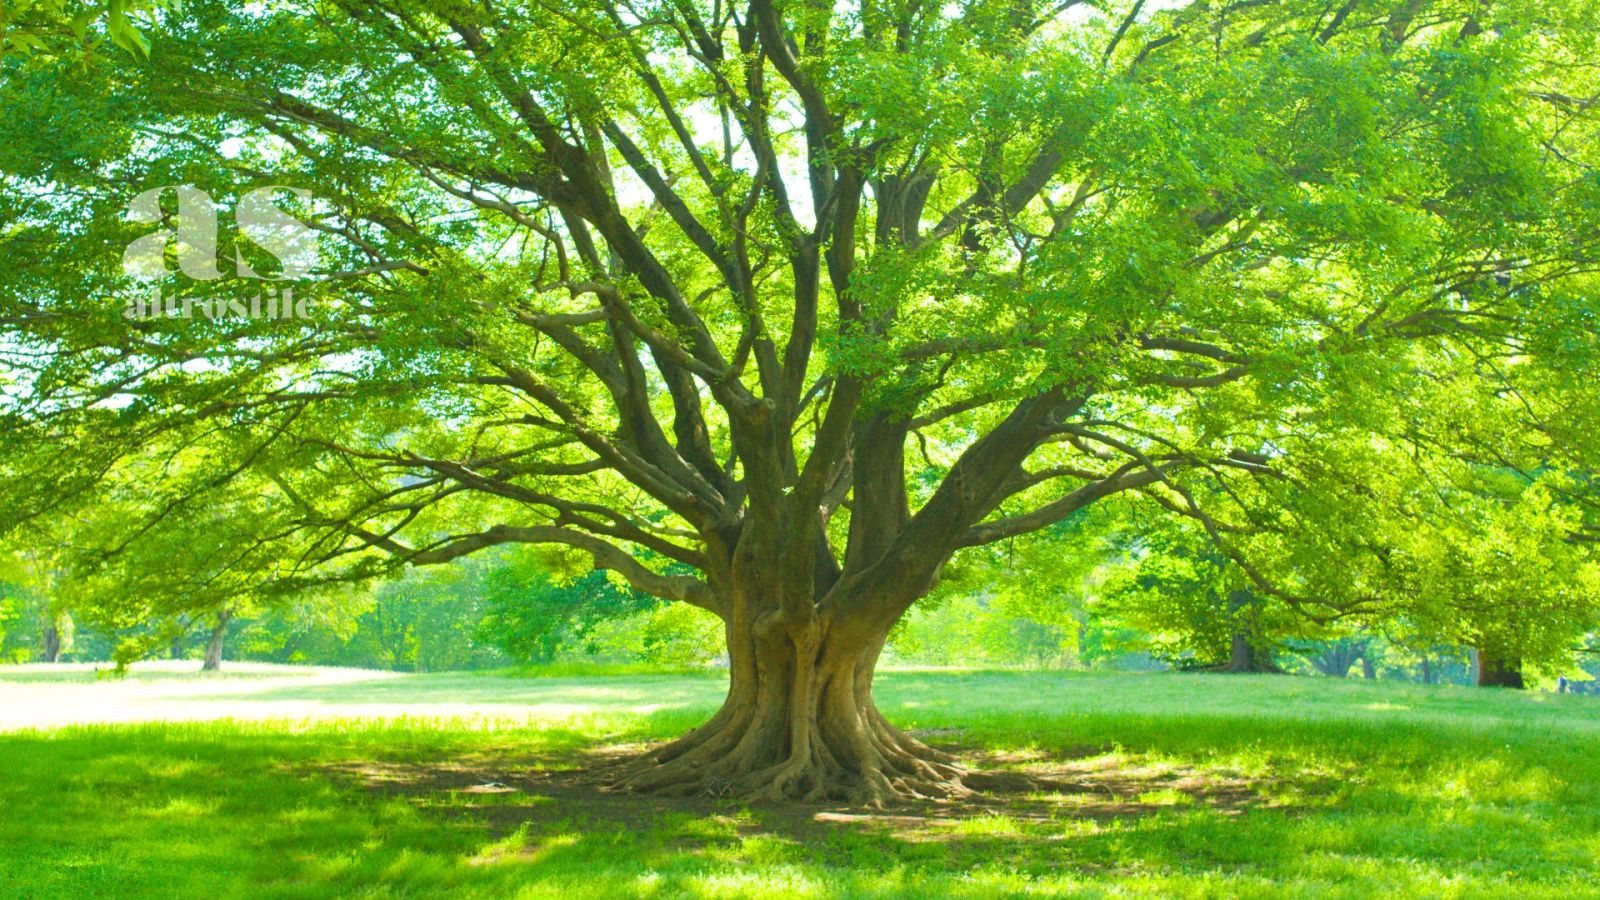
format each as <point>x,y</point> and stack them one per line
<point>786,312</point>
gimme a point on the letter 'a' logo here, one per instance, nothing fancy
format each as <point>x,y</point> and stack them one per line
<point>288,240</point>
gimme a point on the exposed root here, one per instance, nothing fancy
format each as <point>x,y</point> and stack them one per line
<point>799,724</point>
<point>887,768</point>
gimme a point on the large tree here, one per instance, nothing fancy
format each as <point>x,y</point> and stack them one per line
<point>773,308</point>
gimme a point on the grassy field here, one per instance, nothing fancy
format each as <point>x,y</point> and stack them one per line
<point>339,783</point>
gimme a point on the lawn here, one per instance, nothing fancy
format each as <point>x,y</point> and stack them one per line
<point>285,783</point>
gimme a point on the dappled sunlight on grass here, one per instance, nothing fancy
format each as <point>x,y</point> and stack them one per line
<point>1175,785</point>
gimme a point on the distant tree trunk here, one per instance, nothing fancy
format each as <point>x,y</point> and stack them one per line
<point>1499,671</point>
<point>1427,669</point>
<point>50,646</point>
<point>1242,654</point>
<point>1244,657</point>
<point>213,661</point>
<point>1368,670</point>
<point>175,649</point>
<point>1335,660</point>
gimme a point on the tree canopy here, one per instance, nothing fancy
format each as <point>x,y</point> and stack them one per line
<point>772,309</point>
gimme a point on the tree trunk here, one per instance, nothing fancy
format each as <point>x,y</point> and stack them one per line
<point>50,645</point>
<point>1427,670</point>
<point>1243,657</point>
<point>1335,661</point>
<point>1242,653</point>
<point>1368,670</point>
<point>213,661</point>
<point>1499,671</point>
<point>799,723</point>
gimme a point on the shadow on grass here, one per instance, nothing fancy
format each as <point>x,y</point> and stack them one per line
<point>1177,791</point>
<point>234,808</point>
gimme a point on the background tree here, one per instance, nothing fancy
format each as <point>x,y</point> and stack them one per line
<point>1446,551</point>
<point>1023,601</point>
<point>1337,656</point>
<point>313,627</point>
<point>34,624</point>
<point>424,621</point>
<point>531,616</point>
<point>1188,604</point>
<point>692,284</point>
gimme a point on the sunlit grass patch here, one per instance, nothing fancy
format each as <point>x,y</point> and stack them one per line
<point>1169,785</point>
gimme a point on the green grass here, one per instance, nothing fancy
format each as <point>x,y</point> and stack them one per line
<point>1217,786</point>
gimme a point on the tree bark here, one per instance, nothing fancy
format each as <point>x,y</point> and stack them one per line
<point>799,723</point>
<point>219,631</point>
<point>1499,671</point>
<point>1335,661</point>
<point>1368,670</point>
<point>50,644</point>
<point>1242,653</point>
<point>1244,658</point>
